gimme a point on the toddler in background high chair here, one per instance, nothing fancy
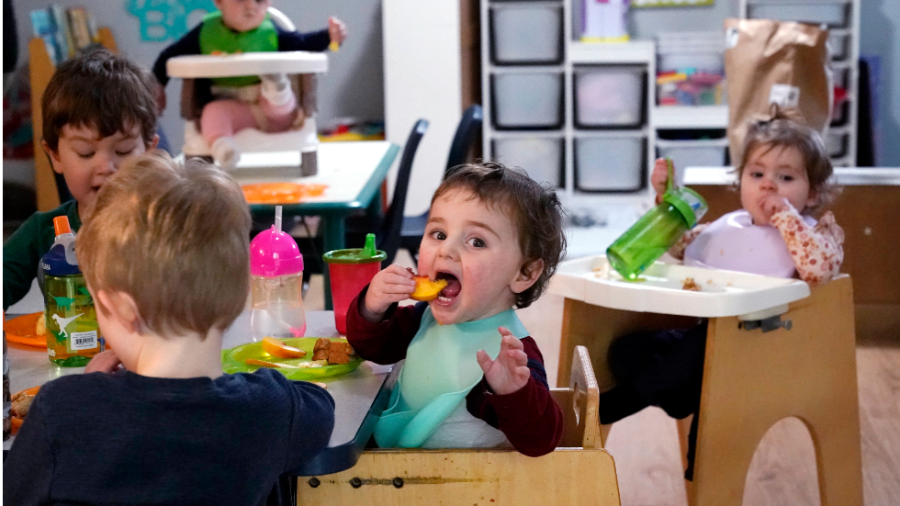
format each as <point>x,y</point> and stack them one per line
<point>265,102</point>
<point>783,179</point>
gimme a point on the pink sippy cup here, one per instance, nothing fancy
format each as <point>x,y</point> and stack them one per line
<point>276,269</point>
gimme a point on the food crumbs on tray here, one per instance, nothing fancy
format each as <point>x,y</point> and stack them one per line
<point>691,285</point>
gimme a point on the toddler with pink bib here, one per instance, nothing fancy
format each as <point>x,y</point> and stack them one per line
<point>783,177</point>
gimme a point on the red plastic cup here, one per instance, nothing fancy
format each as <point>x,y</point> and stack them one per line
<point>350,271</point>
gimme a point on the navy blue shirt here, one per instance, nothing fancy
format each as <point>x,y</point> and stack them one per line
<point>130,439</point>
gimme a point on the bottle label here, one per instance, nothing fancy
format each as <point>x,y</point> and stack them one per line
<point>83,341</point>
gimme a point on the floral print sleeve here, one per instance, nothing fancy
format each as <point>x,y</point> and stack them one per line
<point>677,249</point>
<point>817,251</point>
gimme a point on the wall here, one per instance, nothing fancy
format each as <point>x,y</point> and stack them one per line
<point>880,36</point>
<point>353,86</point>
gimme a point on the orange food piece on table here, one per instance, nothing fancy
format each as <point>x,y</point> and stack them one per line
<point>427,289</point>
<point>281,193</point>
<point>277,348</point>
<point>264,363</point>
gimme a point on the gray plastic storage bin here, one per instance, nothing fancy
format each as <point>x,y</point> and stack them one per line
<point>614,163</point>
<point>836,142</point>
<point>541,157</point>
<point>839,44</point>
<point>526,34</point>
<point>527,100</point>
<point>693,153</point>
<point>610,96</point>
<point>833,13</point>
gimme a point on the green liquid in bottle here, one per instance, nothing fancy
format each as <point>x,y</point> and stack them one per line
<point>73,334</point>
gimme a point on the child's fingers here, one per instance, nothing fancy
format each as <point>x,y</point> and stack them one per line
<point>484,361</point>
<point>106,361</point>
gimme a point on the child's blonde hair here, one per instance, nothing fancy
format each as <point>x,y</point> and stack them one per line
<point>782,132</point>
<point>534,209</point>
<point>175,238</point>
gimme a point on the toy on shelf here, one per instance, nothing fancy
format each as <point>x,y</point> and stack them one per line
<point>249,95</point>
<point>604,21</point>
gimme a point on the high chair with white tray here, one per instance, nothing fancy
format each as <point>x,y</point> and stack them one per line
<point>297,147</point>
<point>774,349</point>
<point>579,472</point>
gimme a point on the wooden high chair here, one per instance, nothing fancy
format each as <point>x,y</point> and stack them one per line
<point>579,472</point>
<point>772,352</point>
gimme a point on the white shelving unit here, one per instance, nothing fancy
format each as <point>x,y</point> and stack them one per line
<point>549,151</point>
<point>620,197</point>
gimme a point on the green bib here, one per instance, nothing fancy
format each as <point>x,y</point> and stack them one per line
<point>441,368</point>
<point>215,37</point>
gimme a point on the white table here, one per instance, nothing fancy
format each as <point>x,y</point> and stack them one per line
<point>355,394</point>
<point>353,172</point>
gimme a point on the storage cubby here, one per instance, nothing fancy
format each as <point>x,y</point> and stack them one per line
<point>527,100</point>
<point>610,96</point>
<point>526,33</point>
<point>588,117</point>
<point>613,162</point>
<point>542,156</point>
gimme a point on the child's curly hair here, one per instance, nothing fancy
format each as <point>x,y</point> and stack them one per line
<point>783,132</point>
<point>534,208</point>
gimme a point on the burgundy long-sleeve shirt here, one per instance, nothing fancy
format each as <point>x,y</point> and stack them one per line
<point>529,418</point>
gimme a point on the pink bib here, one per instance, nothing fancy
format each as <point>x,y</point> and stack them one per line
<point>734,243</point>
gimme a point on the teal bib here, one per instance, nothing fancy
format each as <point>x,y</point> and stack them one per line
<point>215,37</point>
<point>441,368</point>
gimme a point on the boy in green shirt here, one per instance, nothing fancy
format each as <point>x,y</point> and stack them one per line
<point>99,109</point>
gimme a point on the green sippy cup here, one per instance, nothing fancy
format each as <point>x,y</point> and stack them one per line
<point>657,230</point>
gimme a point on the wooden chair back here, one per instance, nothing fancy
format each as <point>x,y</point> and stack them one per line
<point>580,403</point>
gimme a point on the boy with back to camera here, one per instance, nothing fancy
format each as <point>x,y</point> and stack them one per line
<point>783,178</point>
<point>473,377</point>
<point>98,111</point>
<point>165,253</point>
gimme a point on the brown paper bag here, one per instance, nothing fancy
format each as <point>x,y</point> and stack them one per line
<point>778,62</point>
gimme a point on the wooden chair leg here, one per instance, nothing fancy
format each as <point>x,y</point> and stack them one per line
<point>750,381</point>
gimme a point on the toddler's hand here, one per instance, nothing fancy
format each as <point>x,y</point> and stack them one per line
<point>659,177</point>
<point>509,372</point>
<point>390,285</point>
<point>106,361</point>
<point>774,204</point>
<point>337,30</point>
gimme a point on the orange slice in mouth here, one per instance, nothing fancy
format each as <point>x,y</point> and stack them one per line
<point>427,289</point>
<point>277,348</point>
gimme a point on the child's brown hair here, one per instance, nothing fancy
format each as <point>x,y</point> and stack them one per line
<point>175,238</point>
<point>534,209</point>
<point>783,132</point>
<point>99,89</point>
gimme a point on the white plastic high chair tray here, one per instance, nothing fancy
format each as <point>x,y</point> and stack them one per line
<point>660,289</point>
<point>245,64</point>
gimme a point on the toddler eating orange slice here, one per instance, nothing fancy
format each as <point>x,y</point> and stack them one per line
<point>427,289</point>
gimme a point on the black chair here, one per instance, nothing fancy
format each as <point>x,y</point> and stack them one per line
<point>467,131</point>
<point>387,230</point>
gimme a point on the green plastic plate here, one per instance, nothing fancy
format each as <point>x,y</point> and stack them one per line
<point>233,360</point>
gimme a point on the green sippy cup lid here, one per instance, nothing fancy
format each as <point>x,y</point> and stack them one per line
<point>364,255</point>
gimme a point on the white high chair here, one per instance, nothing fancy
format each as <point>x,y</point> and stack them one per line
<point>774,349</point>
<point>297,147</point>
